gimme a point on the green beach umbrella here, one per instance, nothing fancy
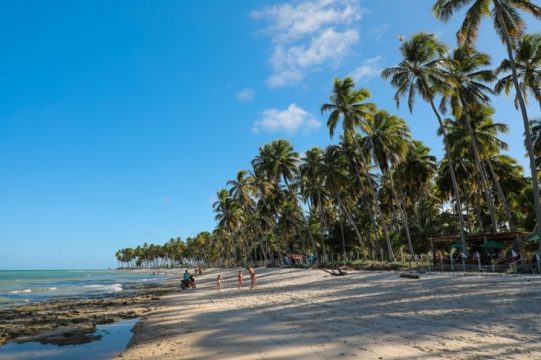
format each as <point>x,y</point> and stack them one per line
<point>533,237</point>
<point>456,245</point>
<point>492,245</point>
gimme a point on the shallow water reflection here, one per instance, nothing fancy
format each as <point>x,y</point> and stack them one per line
<point>115,338</point>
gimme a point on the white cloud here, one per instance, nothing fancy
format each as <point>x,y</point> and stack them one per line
<point>246,95</point>
<point>289,22</point>
<point>289,121</point>
<point>367,70</point>
<point>308,34</point>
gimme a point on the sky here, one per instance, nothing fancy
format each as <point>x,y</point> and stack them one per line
<point>120,120</point>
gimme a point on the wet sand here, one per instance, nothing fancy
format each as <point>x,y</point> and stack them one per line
<point>308,314</point>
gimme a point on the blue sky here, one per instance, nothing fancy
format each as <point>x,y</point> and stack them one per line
<point>119,120</point>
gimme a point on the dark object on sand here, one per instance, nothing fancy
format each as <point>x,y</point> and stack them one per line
<point>339,271</point>
<point>409,276</point>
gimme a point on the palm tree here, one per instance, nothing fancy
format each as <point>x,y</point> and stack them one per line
<point>509,26</point>
<point>417,170</point>
<point>463,71</point>
<point>347,105</point>
<point>528,65</point>
<point>335,179</point>
<point>388,140</point>
<point>312,187</point>
<point>419,73</point>
<point>242,191</point>
<point>228,215</point>
<point>474,135</point>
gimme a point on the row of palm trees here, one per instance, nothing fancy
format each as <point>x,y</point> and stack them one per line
<point>378,188</point>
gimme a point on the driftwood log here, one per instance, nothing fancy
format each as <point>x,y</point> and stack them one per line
<point>339,271</point>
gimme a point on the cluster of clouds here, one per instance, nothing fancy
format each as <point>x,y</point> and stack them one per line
<point>307,34</point>
<point>290,121</point>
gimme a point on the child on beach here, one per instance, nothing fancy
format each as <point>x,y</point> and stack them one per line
<point>219,283</point>
<point>252,277</point>
<point>240,279</point>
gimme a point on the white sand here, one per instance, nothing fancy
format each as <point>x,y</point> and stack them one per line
<point>307,314</point>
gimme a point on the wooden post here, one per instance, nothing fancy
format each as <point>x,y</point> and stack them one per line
<point>381,252</point>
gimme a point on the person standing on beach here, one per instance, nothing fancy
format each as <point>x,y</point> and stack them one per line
<point>240,279</point>
<point>252,277</point>
<point>219,283</point>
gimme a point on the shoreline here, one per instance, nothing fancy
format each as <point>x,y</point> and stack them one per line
<point>309,314</point>
<point>73,320</point>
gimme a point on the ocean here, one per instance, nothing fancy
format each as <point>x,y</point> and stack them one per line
<point>23,286</point>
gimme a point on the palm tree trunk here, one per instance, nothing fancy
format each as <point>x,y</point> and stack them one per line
<point>312,240</point>
<point>453,178</point>
<point>343,238</point>
<point>484,181</point>
<point>310,235</point>
<point>501,195</point>
<point>467,207</point>
<point>480,226</point>
<point>527,130</point>
<point>350,219</point>
<point>378,207</point>
<point>402,212</point>
<point>323,226</point>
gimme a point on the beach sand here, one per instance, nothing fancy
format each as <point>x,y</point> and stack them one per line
<point>308,314</point>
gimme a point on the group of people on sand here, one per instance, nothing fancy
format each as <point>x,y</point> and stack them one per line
<point>240,279</point>
<point>188,279</point>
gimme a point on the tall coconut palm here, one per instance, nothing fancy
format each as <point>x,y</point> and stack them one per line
<point>420,73</point>
<point>242,191</point>
<point>528,65</point>
<point>388,140</point>
<point>509,25</point>
<point>468,88</point>
<point>417,170</point>
<point>312,187</point>
<point>228,215</point>
<point>475,135</point>
<point>335,179</point>
<point>348,106</point>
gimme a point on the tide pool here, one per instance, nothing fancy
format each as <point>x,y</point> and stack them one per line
<point>115,338</point>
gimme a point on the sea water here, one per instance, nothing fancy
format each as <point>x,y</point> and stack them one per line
<point>115,338</point>
<point>23,286</point>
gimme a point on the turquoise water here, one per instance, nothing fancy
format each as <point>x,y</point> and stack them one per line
<point>23,286</point>
<point>115,338</point>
